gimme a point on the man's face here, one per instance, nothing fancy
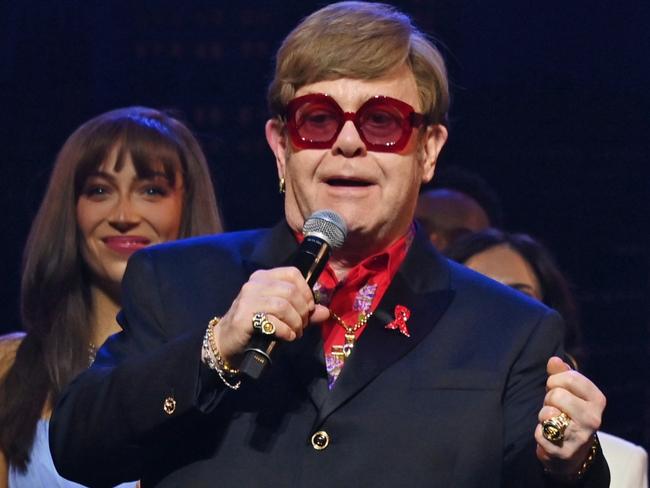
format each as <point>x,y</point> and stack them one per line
<point>374,192</point>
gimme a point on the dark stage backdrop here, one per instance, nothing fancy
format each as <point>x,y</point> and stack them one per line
<point>550,105</point>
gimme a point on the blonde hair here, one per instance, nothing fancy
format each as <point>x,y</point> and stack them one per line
<point>362,41</point>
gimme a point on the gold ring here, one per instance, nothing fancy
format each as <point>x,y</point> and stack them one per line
<point>262,324</point>
<point>553,428</point>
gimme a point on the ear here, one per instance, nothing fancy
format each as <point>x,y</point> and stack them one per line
<point>275,137</point>
<point>434,139</point>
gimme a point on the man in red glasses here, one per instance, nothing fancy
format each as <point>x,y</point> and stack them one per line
<point>397,369</point>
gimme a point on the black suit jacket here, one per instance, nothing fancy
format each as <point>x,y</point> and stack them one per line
<point>454,405</point>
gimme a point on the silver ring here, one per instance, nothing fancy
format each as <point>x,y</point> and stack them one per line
<point>262,324</point>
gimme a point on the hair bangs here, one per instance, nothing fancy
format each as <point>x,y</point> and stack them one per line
<point>153,148</point>
<point>348,58</point>
<point>345,40</point>
<point>96,144</point>
<point>152,153</point>
<point>359,40</point>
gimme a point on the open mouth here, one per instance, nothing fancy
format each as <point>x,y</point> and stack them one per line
<point>341,182</point>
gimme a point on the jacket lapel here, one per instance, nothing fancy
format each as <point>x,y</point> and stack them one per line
<point>308,364</point>
<point>421,285</point>
<point>275,248</point>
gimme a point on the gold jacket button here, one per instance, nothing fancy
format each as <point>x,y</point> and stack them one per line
<point>320,440</point>
<point>169,405</point>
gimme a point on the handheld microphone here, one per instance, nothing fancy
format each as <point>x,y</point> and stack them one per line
<point>323,230</point>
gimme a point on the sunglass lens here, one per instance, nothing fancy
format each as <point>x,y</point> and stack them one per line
<point>317,122</point>
<point>381,124</point>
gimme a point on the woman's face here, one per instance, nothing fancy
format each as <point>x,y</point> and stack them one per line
<point>503,264</point>
<point>119,213</point>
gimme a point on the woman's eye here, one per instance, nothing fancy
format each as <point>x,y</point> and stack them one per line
<point>155,191</point>
<point>95,191</point>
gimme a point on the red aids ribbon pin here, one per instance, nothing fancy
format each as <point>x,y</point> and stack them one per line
<point>402,314</point>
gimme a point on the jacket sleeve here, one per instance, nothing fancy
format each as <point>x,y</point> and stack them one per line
<point>145,387</point>
<point>526,385</point>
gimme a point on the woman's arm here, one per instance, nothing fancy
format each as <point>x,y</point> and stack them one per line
<point>8,345</point>
<point>4,472</point>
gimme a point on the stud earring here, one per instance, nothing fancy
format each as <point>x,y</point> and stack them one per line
<point>281,185</point>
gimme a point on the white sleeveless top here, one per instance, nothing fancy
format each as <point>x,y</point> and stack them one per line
<point>628,463</point>
<point>40,470</point>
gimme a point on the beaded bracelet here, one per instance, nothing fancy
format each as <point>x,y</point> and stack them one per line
<point>590,458</point>
<point>212,358</point>
<point>595,445</point>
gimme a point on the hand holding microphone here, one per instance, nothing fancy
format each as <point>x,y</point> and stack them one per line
<point>282,296</point>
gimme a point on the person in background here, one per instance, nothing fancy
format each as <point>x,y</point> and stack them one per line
<point>124,180</point>
<point>393,373</point>
<point>521,262</point>
<point>455,203</point>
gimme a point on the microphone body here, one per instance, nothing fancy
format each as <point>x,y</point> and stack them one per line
<point>323,231</point>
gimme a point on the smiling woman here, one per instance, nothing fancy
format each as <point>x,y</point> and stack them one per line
<point>124,180</point>
<point>119,212</point>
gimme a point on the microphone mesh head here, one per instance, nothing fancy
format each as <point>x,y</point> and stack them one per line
<point>328,225</point>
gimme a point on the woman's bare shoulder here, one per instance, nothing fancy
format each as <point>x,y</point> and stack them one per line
<point>8,346</point>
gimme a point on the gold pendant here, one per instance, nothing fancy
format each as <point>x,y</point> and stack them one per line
<point>338,353</point>
<point>349,344</point>
<point>342,352</point>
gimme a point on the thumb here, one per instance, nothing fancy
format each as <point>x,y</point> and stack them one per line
<point>320,314</point>
<point>556,365</point>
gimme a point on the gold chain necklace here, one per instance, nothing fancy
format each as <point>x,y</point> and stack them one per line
<point>343,351</point>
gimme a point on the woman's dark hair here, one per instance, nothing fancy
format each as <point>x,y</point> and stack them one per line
<point>556,292</point>
<point>56,304</point>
